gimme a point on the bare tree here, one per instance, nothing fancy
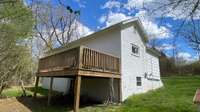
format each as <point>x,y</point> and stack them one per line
<point>191,32</point>
<point>187,11</point>
<point>56,25</point>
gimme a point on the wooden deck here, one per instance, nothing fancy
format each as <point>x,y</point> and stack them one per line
<point>77,63</point>
<point>80,61</point>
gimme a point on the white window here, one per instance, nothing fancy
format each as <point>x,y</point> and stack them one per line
<point>135,50</point>
<point>139,81</point>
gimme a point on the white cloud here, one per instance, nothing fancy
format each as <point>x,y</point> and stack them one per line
<point>169,25</point>
<point>165,47</point>
<point>136,4</point>
<point>184,55</point>
<point>83,30</point>
<point>129,5</point>
<point>80,31</point>
<point>111,4</point>
<point>196,57</point>
<point>102,19</point>
<point>162,8</point>
<point>153,30</point>
<point>180,11</point>
<point>113,18</point>
<point>81,4</point>
<point>185,58</point>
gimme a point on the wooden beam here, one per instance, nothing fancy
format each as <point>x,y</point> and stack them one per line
<point>77,88</point>
<point>50,91</point>
<point>66,72</point>
<point>91,73</point>
<point>36,87</point>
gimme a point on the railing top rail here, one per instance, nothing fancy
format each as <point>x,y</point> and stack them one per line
<point>71,49</point>
<point>77,49</point>
<point>108,54</point>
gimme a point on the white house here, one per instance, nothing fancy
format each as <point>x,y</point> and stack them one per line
<point>139,65</point>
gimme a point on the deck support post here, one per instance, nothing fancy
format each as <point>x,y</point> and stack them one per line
<point>77,88</point>
<point>36,86</point>
<point>50,91</point>
<point>119,91</point>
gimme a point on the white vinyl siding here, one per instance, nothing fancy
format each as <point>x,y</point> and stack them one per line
<point>153,65</point>
<point>131,65</point>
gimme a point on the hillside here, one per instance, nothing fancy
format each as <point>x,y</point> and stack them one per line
<point>175,96</point>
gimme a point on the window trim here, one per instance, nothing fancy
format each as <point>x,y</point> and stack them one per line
<point>139,82</point>
<point>136,46</point>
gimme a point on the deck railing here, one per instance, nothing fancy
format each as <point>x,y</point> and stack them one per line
<point>82,58</point>
<point>98,61</point>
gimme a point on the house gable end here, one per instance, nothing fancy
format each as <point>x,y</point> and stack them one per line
<point>131,22</point>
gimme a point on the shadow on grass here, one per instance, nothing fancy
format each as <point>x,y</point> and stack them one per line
<point>39,104</point>
<point>59,102</point>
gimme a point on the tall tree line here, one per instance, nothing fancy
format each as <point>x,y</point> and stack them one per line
<point>16,24</point>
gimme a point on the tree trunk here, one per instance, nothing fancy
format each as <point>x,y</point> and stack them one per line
<point>2,88</point>
<point>22,87</point>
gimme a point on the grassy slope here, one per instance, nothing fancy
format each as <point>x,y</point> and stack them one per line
<point>17,92</point>
<point>14,92</point>
<point>176,96</point>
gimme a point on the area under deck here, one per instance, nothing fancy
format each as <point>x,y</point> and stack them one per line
<point>76,63</point>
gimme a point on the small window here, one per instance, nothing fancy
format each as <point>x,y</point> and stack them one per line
<point>135,49</point>
<point>139,81</point>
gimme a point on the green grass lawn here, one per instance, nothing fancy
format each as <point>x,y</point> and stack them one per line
<point>176,96</point>
<point>16,91</point>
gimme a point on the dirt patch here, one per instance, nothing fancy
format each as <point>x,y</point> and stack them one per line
<point>12,105</point>
<point>39,104</point>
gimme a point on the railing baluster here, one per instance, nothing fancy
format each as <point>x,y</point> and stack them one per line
<point>92,53</point>
<point>87,55</point>
<point>83,61</point>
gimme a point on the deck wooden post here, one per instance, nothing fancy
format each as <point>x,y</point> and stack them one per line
<point>77,88</point>
<point>119,90</point>
<point>36,86</point>
<point>80,57</point>
<point>50,91</point>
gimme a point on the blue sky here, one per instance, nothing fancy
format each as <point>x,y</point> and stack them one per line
<point>96,14</point>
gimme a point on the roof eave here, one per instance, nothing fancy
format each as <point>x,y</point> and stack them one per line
<point>153,51</point>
